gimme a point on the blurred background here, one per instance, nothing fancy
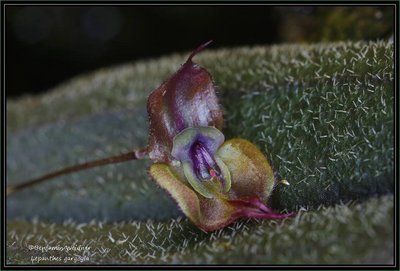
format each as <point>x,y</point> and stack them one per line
<point>46,45</point>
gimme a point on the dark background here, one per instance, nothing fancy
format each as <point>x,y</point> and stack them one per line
<point>48,44</point>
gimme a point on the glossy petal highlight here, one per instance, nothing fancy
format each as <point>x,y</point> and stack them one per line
<point>186,99</point>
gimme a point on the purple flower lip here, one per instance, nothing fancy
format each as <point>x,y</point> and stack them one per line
<point>209,138</point>
<point>196,149</point>
<point>204,164</point>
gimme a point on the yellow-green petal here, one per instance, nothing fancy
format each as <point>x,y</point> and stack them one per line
<point>185,196</point>
<point>250,171</point>
<point>198,185</point>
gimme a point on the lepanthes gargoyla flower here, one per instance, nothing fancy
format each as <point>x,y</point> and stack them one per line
<point>213,181</point>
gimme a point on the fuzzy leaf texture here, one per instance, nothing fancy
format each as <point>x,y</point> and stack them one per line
<point>323,114</point>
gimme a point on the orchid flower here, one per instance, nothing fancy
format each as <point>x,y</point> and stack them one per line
<point>213,181</point>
